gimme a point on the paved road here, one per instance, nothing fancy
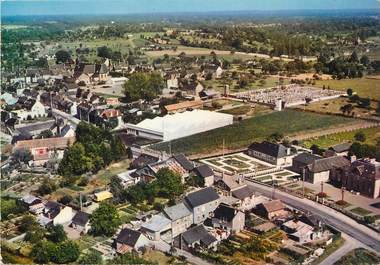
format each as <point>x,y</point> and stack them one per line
<point>338,220</point>
<point>349,244</point>
<point>65,115</point>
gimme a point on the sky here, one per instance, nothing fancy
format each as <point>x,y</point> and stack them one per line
<point>98,7</point>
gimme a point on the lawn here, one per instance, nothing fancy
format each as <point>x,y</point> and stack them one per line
<point>365,87</point>
<point>360,211</point>
<point>359,256</point>
<point>372,134</point>
<point>258,128</point>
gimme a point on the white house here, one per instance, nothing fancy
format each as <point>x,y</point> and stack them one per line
<point>36,111</point>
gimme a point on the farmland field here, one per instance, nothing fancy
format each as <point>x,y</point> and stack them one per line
<point>372,134</point>
<point>365,87</point>
<point>257,128</point>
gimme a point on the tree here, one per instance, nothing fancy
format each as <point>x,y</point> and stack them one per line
<point>360,136</point>
<point>143,86</point>
<point>62,56</point>
<point>66,252</point>
<point>104,52</point>
<point>91,257</point>
<point>27,223</point>
<point>364,60</point>
<point>47,187</point>
<point>169,182</point>
<point>117,189</point>
<point>276,137</point>
<point>349,92</point>
<point>57,234</point>
<point>43,251</point>
<point>45,134</point>
<point>348,108</point>
<point>75,161</point>
<point>35,235</point>
<point>105,220</point>
<point>22,156</point>
<point>66,199</point>
<point>196,180</point>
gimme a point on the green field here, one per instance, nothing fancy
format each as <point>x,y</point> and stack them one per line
<point>254,129</point>
<point>364,87</point>
<point>372,134</point>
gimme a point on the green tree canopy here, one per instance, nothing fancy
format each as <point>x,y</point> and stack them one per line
<point>105,220</point>
<point>57,234</point>
<point>143,86</point>
<point>62,56</point>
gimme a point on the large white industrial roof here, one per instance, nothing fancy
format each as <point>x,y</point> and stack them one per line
<point>178,125</point>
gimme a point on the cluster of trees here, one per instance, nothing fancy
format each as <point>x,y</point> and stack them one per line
<point>105,220</point>
<point>168,184</point>
<point>342,67</point>
<point>94,149</point>
<point>49,245</point>
<point>10,207</point>
<point>106,52</point>
<point>363,150</point>
<point>143,86</point>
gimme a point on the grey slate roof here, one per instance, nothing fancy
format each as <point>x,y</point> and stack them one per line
<point>204,171</point>
<point>177,211</point>
<point>224,212</point>
<point>201,197</point>
<point>81,218</point>
<point>184,162</point>
<point>328,163</point>
<point>198,233</point>
<point>157,223</point>
<point>128,237</point>
<point>339,148</point>
<point>242,193</point>
<point>306,158</point>
<point>268,148</point>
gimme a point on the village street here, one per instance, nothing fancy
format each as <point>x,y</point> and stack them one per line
<point>338,220</point>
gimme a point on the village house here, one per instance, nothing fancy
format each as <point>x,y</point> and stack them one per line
<point>45,149</point>
<point>202,204</point>
<point>129,178</point>
<point>180,216</point>
<point>157,227</point>
<point>55,214</point>
<point>272,210</point>
<point>273,153</point>
<point>32,130</point>
<point>301,161</point>
<point>361,176</point>
<point>321,170</point>
<point>197,237</point>
<point>206,173</point>
<point>227,184</point>
<point>339,149</point>
<point>34,204</point>
<point>228,218</point>
<point>246,198</point>
<point>31,111</point>
<point>81,222</point>
<point>299,231</point>
<point>129,240</point>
